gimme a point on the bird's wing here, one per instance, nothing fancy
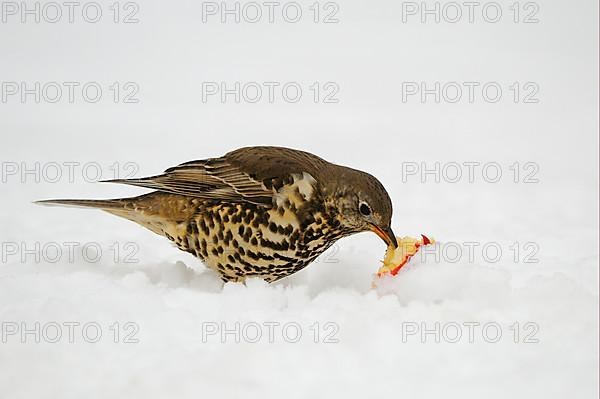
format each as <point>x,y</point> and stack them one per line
<point>249,175</point>
<point>207,179</point>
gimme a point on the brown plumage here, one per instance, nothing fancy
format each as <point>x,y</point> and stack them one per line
<point>257,211</point>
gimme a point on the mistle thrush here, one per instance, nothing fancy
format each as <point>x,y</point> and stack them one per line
<point>256,212</point>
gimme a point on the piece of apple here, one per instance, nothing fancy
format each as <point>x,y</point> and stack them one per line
<point>395,258</point>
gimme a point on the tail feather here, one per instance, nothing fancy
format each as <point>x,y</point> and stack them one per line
<point>83,203</point>
<point>159,212</point>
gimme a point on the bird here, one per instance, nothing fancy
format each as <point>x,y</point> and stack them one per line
<point>261,211</point>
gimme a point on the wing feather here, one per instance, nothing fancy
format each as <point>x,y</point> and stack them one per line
<point>238,176</point>
<point>209,179</point>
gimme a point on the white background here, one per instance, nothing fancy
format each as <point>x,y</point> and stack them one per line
<point>368,54</point>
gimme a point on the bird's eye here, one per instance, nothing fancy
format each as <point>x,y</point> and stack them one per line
<point>364,209</point>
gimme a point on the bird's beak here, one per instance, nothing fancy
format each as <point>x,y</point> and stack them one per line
<point>386,235</point>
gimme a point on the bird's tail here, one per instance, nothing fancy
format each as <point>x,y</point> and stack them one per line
<point>145,209</point>
<point>108,204</point>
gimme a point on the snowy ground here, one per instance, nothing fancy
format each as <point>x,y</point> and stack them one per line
<point>527,318</point>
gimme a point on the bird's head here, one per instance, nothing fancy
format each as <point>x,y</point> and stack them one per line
<point>363,204</point>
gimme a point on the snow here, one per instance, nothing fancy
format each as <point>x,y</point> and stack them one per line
<point>175,321</point>
<point>371,351</point>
